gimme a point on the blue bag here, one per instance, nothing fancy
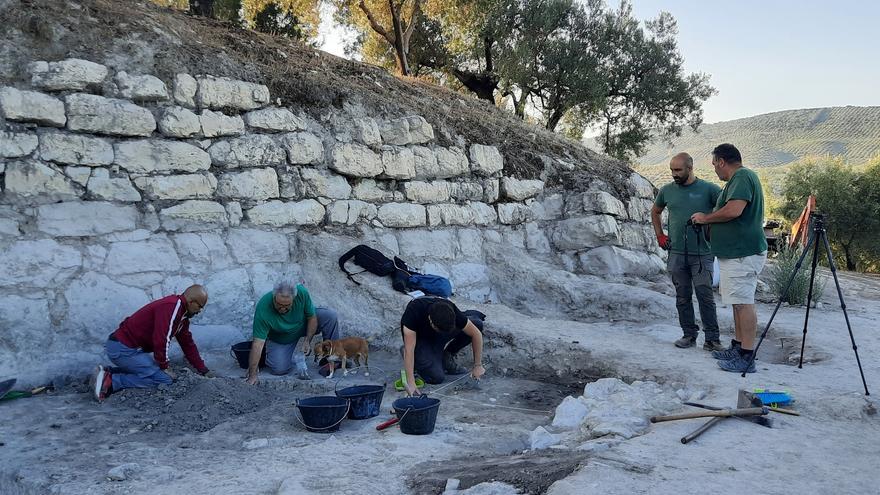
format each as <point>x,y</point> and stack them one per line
<point>434,285</point>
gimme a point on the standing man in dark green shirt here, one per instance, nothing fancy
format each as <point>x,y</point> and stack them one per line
<point>690,261</point>
<point>739,243</point>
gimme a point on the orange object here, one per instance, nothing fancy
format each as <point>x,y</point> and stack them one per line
<point>800,230</point>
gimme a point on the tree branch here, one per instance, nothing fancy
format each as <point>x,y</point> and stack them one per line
<point>375,24</point>
<point>411,24</point>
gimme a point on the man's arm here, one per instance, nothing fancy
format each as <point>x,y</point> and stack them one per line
<point>731,210</point>
<point>476,336</point>
<point>409,358</point>
<point>163,326</point>
<point>657,222</point>
<point>311,329</point>
<point>188,345</point>
<point>254,360</point>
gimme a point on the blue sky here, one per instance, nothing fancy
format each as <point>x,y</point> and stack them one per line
<point>765,56</point>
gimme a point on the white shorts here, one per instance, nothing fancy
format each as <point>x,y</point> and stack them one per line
<point>739,278</point>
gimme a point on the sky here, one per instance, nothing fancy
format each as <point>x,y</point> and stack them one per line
<point>764,56</point>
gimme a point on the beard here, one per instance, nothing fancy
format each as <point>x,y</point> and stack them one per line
<point>679,180</point>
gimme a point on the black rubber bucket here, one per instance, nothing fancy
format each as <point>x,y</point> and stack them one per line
<point>242,353</point>
<point>323,414</point>
<point>417,415</point>
<point>366,400</point>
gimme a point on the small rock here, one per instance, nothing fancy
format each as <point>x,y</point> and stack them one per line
<point>452,484</point>
<point>123,471</point>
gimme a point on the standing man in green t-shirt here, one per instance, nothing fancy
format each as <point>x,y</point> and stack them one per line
<point>739,243</point>
<point>690,261</point>
<point>283,317</point>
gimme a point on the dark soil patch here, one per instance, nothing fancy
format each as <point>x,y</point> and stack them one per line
<point>533,472</point>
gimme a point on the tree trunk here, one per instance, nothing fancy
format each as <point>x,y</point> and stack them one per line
<point>400,47</point>
<point>483,85</point>
<point>519,106</point>
<point>850,262</point>
<point>554,119</point>
<point>204,8</point>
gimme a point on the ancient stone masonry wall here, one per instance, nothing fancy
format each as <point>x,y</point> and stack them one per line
<point>118,188</point>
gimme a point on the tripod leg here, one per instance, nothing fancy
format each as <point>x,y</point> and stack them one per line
<point>813,239</point>
<point>843,307</point>
<point>809,300</point>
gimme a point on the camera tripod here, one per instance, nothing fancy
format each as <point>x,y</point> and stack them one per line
<point>818,221</point>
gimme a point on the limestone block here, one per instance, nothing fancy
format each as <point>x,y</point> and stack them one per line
<point>31,106</point>
<point>491,190</point>
<point>551,207</point>
<point>257,246</point>
<point>483,214</point>
<point>398,163</point>
<point>395,132</point>
<point>201,251</point>
<point>79,175</point>
<point>303,148</point>
<point>425,162</point>
<point>514,237</point>
<point>156,254</point>
<point>221,92</point>
<point>280,214</point>
<point>485,160</point>
<point>585,232</point>
<point>142,87</point>
<point>426,192</point>
<point>350,212</point>
<point>97,303</point>
<point>92,113</point>
<point>420,131</point>
<point>470,242</point>
<point>466,191</point>
<point>451,162</point>
<point>17,144</point>
<point>636,236</point>
<point>417,243</point>
<point>37,263</point>
<point>77,219</point>
<point>75,149</point>
<point>639,209</point>
<point>321,184</point>
<point>450,215</point>
<point>101,173</point>
<point>155,155</point>
<point>231,297</point>
<point>402,215</point>
<point>370,190</point>
<point>513,213</point>
<point>355,160</point>
<point>253,150</point>
<point>519,190</point>
<point>69,74</point>
<point>599,202</point>
<point>274,119</point>
<point>290,183</point>
<point>179,122</point>
<point>187,186</point>
<point>20,318</point>
<point>233,209</point>
<point>35,181</point>
<point>536,239</point>
<point>194,215</point>
<point>471,280</point>
<point>642,186</point>
<point>615,261</point>
<point>367,131</point>
<point>216,124</point>
<point>185,87</point>
<point>117,189</point>
<point>257,184</point>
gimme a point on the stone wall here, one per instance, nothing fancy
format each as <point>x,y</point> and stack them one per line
<point>118,188</point>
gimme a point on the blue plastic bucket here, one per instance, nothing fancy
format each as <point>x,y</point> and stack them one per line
<point>322,414</point>
<point>366,400</point>
<point>417,415</point>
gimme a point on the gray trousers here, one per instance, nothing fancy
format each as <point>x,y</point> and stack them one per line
<point>687,279</point>
<point>280,357</point>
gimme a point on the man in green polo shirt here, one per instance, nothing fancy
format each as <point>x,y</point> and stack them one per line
<point>739,243</point>
<point>281,319</point>
<point>690,262</point>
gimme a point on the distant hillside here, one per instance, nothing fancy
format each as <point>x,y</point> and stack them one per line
<point>778,138</point>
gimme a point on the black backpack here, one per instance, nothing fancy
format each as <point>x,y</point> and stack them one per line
<point>371,260</point>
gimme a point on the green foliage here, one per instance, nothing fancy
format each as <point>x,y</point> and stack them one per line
<point>780,274</point>
<point>273,19</point>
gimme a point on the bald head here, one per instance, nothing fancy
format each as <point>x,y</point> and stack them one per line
<point>196,298</point>
<point>682,168</point>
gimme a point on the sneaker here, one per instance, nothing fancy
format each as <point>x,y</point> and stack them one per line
<point>727,354</point>
<point>101,383</point>
<point>685,342</point>
<point>450,366</point>
<point>713,345</point>
<point>737,364</point>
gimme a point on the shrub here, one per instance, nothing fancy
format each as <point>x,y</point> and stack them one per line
<point>782,270</point>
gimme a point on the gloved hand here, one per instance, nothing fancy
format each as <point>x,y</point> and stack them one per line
<point>663,241</point>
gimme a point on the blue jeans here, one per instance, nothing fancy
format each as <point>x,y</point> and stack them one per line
<point>687,277</point>
<point>279,357</point>
<point>134,367</point>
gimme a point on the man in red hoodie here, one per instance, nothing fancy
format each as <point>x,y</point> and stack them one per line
<point>150,330</point>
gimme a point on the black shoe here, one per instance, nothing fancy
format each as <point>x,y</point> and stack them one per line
<point>685,342</point>
<point>450,366</point>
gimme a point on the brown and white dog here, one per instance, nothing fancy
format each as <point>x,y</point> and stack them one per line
<point>337,351</point>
